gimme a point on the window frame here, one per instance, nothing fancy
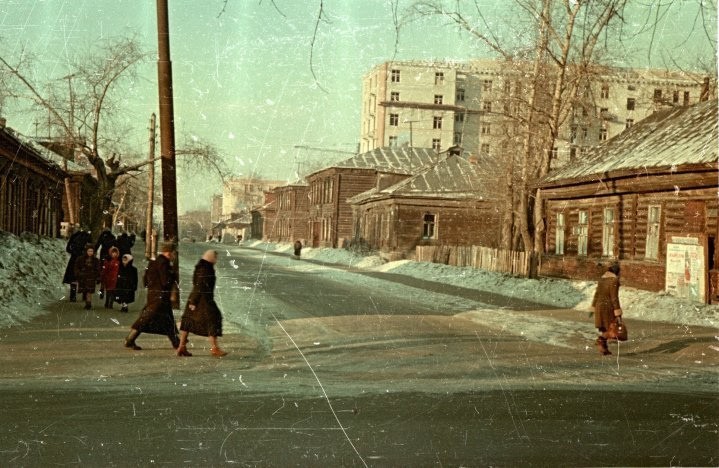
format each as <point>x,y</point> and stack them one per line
<point>437,122</point>
<point>582,233</point>
<point>395,75</point>
<point>393,120</point>
<point>653,232</point>
<point>608,231</point>
<point>559,234</point>
<point>429,227</point>
<point>438,78</point>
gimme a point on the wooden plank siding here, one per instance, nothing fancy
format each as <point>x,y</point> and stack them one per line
<point>681,212</point>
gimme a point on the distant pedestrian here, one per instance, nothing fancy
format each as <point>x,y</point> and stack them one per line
<point>605,305</point>
<point>108,278</point>
<point>298,248</point>
<point>105,240</point>
<point>126,283</point>
<point>87,272</point>
<point>156,317</point>
<point>76,248</point>
<point>202,316</point>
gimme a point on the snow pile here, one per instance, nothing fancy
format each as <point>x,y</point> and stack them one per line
<point>31,270</point>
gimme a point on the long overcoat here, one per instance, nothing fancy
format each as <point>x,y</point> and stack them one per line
<point>87,273</point>
<point>76,248</point>
<point>156,317</point>
<point>206,319</point>
<point>606,300</point>
<point>110,270</point>
<point>126,284</point>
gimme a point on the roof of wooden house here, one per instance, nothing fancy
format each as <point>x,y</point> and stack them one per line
<point>676,137</point>
<point>397,160</point>
<point>452,178</point>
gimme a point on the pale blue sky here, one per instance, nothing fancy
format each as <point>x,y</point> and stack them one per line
<point>242,80</point>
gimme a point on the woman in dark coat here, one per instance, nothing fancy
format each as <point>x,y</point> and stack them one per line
<point>605,305</point>
<point>126,283</point>
<point>202,316</point>
<point>76,248</point>
<point>87,272</point>
<point>156,317</point>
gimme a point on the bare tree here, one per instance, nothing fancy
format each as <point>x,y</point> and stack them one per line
<point>564,38</point>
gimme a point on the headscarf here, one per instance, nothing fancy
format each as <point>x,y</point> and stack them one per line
<point>210,256</point>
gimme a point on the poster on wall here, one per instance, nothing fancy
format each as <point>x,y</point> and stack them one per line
<point>685,273</point>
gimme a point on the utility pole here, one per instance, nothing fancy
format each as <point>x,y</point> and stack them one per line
<point>167,126</point>
<point>150,241</point>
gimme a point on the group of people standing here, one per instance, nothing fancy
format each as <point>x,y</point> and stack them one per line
<point>113,269</point>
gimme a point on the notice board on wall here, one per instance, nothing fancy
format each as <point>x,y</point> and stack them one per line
<point>686,267</point>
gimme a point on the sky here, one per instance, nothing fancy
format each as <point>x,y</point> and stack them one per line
<point>241,68</point>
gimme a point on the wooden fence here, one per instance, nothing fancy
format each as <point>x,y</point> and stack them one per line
<point>485,258</point>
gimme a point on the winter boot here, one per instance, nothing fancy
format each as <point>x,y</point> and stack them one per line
<point>217,352</point>
<point>602,346</point>
<point>88,305</point>
<point>130,340</point>
<point>182,351</point>
<point>73,292</point>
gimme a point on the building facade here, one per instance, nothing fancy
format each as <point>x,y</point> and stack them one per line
<point>291,214</point>
<point>242,194</point>
<point>477,105</point>
<point>647,198</point>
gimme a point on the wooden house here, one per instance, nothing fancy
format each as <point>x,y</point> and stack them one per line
<point>330,215</point>
<point>647,198</point>
<point>267,214</point>
<point>291,213</point>
<point>448,203</point>
<point>31,187</point>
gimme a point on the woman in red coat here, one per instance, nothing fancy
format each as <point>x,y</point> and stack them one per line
<point>605,305</point>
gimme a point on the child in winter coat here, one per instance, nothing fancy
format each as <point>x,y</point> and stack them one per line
<point>126,283</point>
<point>110,269</point>
<point>87,272</point>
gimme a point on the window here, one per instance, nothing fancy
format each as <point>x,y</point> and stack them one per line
<point>605,91</point>
<point>602,134</point>
<point>572,153</point>
<point>631,87</point>
<point>675,97</point>
<point>585,112</point>
<point>582,229</point>
<point>485,129</point>
<point>559,235</point>
<point>653,220</point>
<point>459,95</point>
<point>507,86</point>
<point>573,134</point>
<point>437,122</point>
<point>428,231</point>
<point>436,144</point>
<point>487,106</point>
<point>553,153</point>
<point>657,94</point>
<point>608,233</point>
<point>439,78</point>
<point>686,98</point>
<point>631,103</point>
<point>394,96</point>
<point>604,113</point>
<point>584,133</point>
<point>459,117</point>
<point>457,138</point>
<point>394,120</point>
<point>487,85</point>
<point>395,76</point>
<point>438,99</point>
<point>484,148</point>
<point>393,141</point>
<point>629,123</point>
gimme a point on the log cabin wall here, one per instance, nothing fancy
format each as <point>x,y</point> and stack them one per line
<point>679,213</point>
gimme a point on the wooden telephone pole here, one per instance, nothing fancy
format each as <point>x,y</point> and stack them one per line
<point>150,235</point>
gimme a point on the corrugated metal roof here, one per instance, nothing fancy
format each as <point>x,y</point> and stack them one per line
<point>398,160</point>
<point>452,178</point>
<point>680,136</point>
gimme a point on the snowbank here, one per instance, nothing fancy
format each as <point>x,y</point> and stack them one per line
<point>31,272</point>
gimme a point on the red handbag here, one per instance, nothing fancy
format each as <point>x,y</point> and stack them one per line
<point>617,331</point>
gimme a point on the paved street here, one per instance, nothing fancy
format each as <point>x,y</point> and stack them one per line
<point>328,370</point>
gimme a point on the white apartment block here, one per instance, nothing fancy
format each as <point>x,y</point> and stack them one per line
<point>441,104</point>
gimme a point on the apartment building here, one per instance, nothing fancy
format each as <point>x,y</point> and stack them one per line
<point>476,105</point>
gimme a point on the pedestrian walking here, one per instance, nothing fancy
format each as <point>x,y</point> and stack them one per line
<point>202,316</point>
<point>605,305</point>
<point>126,283</point>
<point>108,277</point>
<point>87,272</point>
<point>76,248</point>
<point>125,243</point>
<point>298,248</point>
<point>156,317</point>
<point>105,240</point>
